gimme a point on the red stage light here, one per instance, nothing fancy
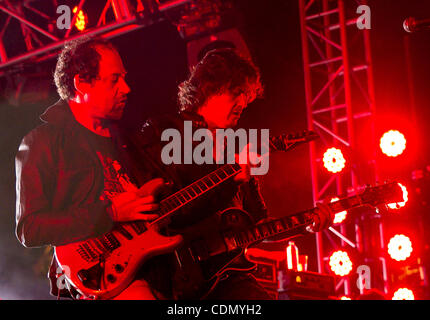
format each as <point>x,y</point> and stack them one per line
<point>393,143</point>
<point>340,263</point>
<point>81,19</point>
<point>400,247</point>
<point>345,298</point>
<point>334,160</point>
<point>403,294</point>
<point>341,216</point>
<point>399,205</point>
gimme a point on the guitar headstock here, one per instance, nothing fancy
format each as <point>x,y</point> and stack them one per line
<point>286,142</point>
<point>382,194</point>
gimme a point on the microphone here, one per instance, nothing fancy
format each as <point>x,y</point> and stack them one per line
<point>412,25</point>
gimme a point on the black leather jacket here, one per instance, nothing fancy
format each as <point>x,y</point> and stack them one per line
<point>59,180</point>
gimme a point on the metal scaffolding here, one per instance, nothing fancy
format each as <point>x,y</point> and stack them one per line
<point>42,39</point>
<point>340,102</point>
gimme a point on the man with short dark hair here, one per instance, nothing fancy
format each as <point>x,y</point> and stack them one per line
<point>72,183</point>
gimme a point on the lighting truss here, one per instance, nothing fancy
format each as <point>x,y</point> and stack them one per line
<point>340,102</point>
<point>41,38</point>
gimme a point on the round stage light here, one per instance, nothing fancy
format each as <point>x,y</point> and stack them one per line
<point>403,294</point>
<point>334,160</point>
<point>399,205</point>
<point>340,263</point>
<point>341,216</point>
<point>400,247</point>
<point>393,143</point>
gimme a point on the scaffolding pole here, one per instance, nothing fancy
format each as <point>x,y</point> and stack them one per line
<point>333,81</point>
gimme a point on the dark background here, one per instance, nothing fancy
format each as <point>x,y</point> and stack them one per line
<point>156,59</point>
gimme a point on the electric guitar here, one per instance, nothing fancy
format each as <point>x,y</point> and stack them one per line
<point>209,255</point>
<point>103,267</point>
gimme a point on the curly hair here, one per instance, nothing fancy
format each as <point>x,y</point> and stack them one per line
<point>78,57</point>
<point>220,71</point>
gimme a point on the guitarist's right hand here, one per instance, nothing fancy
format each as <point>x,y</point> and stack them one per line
<point>138,204</point>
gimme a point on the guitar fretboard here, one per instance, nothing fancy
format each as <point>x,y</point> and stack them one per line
<point>93,249</point>
<point>196,189</point>
<point>295,222</point>
<point>270,229</point>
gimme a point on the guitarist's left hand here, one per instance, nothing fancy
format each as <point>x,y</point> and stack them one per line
<point>252,160</point>
<point>323,219</point>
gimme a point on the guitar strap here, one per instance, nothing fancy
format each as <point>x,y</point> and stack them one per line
<point>136,159</point>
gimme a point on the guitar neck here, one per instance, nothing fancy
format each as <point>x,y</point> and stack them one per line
<point>168,206</point>
<point>293,223</point>
<point>177,200</point>
<point>270,229</point>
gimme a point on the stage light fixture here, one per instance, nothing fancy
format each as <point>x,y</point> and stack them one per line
<point>345,298</point>
<point>393,143</point>
<point>340,263</point>
<point>341,216</point>
<point>81,19</point>
<point>399,205</point>
<point>333,160</point>
<point>403,294</point>
<point>400,247</point>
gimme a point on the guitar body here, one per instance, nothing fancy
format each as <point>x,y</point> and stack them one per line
<point>205,257</point>
<point>103,274</point>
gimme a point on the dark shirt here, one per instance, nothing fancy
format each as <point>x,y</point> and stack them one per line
<point>59,181</point>
<point>147,146</point>
<point>116,179</point>
<point>60,184</point>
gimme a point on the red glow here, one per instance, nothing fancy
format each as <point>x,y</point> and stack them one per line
<point>81,19</point>
<point>393,143</point>
<point>340,263</point>
<point>399,205</point>
<point>334,160</point>
<point>400,247</point>
<point>403,294</point>
<point>341,216</point>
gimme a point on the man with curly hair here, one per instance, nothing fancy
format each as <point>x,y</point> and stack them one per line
<point>72,181</point>
<point>214,96</point>
<point>219,88</point>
